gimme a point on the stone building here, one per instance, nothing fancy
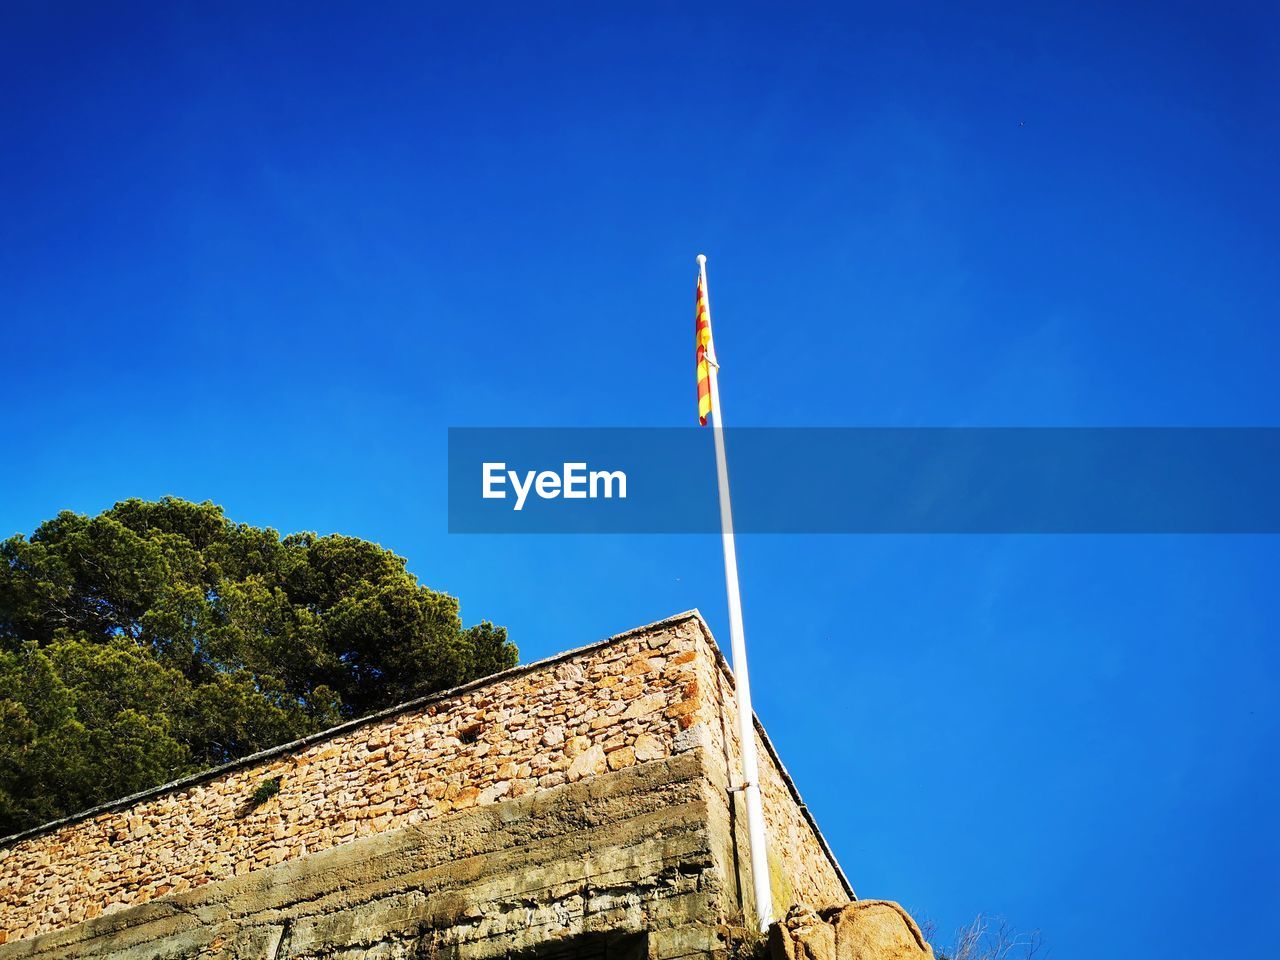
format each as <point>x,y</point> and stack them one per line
<point>576,807</point>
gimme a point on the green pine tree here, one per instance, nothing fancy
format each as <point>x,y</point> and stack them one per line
<point>159,639</point>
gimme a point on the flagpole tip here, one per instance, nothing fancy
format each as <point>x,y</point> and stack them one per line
<point>702,259</point>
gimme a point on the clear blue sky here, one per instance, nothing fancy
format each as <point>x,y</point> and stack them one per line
<point>266,254</point>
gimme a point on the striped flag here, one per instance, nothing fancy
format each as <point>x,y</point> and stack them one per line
<point>703,351</point>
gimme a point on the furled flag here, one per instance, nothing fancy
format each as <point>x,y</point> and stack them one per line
<point>702,342</point>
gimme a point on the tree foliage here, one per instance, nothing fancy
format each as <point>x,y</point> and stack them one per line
<point>160,638</point>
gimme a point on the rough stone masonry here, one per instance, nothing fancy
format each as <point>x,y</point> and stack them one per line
<point>579,806</point>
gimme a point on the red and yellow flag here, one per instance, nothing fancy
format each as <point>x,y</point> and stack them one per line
<point>702,344</point>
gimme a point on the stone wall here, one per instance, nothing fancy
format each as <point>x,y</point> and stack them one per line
<point>643,698</point>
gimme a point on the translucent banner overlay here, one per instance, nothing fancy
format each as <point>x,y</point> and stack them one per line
<point>866,480</point>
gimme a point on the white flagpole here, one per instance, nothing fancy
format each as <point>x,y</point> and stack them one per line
<point>750,785</point>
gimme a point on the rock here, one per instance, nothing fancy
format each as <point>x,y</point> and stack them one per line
<point>553,737</point>
<point>645,706</point>
<point>681,709</point>
<point>492,793</point>
<point>648,747</point>
<point>569,671</point>
<point>590,761</point>
<point>622,757</point>
<point>862,930</point>
<point>466,797</point>
<point>642,665</point>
